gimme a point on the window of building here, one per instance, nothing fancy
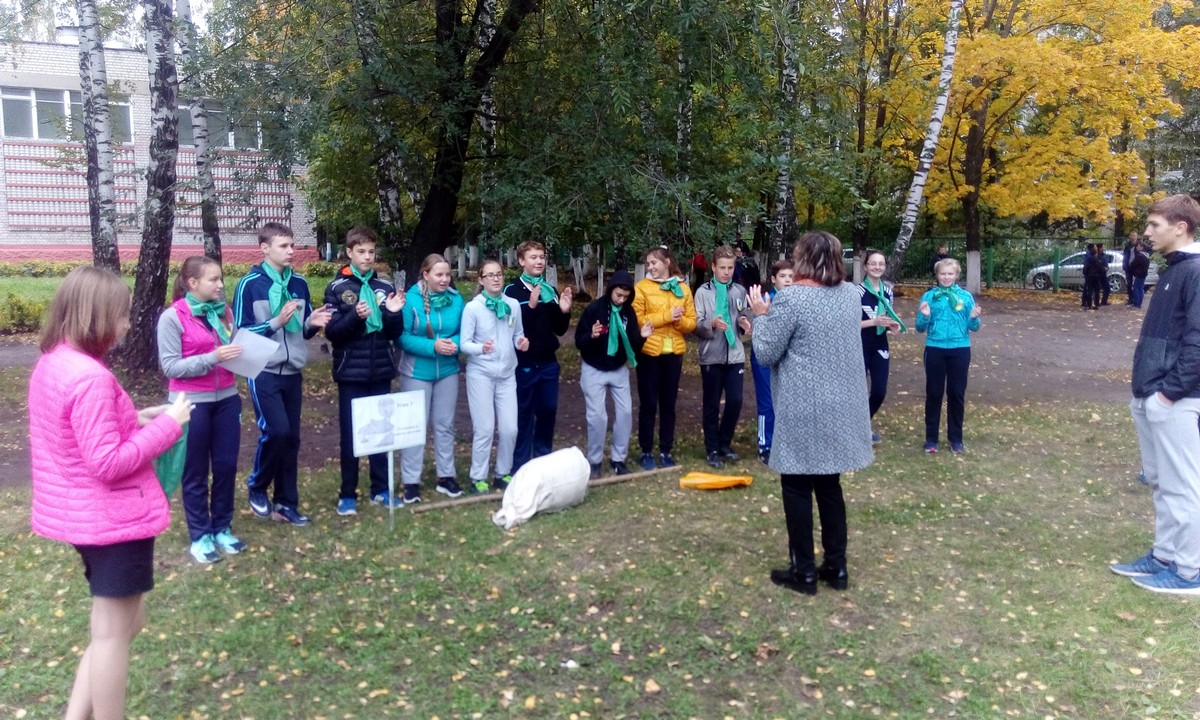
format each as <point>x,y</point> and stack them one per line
<point>55,115</point>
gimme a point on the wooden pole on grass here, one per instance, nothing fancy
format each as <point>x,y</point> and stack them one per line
<point>493,497</point>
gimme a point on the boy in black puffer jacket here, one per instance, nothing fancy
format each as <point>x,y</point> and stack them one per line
<point>608,336</point>
<point>363,332</point>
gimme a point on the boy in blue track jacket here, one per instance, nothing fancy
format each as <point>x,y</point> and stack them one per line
<point>274,302</point>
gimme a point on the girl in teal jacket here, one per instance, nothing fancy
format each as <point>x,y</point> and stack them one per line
<point>433,312</point>
<point>947,314</point>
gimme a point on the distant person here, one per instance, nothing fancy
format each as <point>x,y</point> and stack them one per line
<point>367,320</point>
<point>1139,268</point>
<point>609,338</point>
<point>273,301</point>
<point>1132,244</point>
<point>1104,288</point>
<point>664,300</point>
<point>1093,274</point>
<point>699,268</point>
<point>943,252</point>
<point>879,320</point>
<point>808,335</point>
<point>781,277</point>
<point>745,268</point>
<point>94,484</point>
<point>947,314</point>
<point>1166,403</point>
<point>193,337</point>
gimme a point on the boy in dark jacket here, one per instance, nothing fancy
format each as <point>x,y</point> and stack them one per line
<point>1166,403</point>
<point>608,337</point>
<point>366,321</point>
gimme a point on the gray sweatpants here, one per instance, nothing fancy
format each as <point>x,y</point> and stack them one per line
<point>1170,449</point>
<point>493,405</point>
<point>596,384</point>
<point>441,399</point>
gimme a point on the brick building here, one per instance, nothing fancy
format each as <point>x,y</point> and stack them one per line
<point>44,208</point>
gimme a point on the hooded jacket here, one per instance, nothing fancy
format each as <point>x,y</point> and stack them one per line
<point>1167,357</point>
<point>594,350</point>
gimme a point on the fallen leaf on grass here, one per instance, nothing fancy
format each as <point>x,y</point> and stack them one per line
<point>652,687</point>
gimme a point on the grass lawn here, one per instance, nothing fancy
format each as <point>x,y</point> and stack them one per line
<point>979,589</point>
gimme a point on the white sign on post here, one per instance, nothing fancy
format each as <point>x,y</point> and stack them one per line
<point>383,423</point>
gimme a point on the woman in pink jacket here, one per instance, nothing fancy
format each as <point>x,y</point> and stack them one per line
<point>93,483</point>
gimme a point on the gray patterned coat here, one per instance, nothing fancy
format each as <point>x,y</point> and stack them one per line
<point>810,339</point>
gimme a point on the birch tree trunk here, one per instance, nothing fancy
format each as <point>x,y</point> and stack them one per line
<point>139,354</point>
<point>487,121</point>
<point>783,226</point>
<point>683,141</point>
<point>97,139</point>
<point>205,153</point>
<point>917,188</point>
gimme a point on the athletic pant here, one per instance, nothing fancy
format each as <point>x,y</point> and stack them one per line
<point>596,385</point>
<point>1170,448</point>
<point>493,405</point>
<point>717,380</point>
<point>537,408</point>
<point>658,388</point>
<point>762,399</point>
<point>214,433</point>
<point>441,401</point>
<point>277,400</point>
<point>377,463</point>
<point>945,376</point>
<point>798,493</point>
<point>1137,291</point>
<point>877,359</point>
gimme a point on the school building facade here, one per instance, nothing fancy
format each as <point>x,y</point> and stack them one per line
<point>44,206</point>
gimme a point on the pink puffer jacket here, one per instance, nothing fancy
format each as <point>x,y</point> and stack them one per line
<point>93,481</point>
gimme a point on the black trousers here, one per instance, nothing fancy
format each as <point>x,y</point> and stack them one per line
<point>798,491</point>
<point>377,463</point>
<point>718,380</point>
<point>658,388</point>
<point>946,376</point>
<point>877,359</point>
<point>1091,292</point>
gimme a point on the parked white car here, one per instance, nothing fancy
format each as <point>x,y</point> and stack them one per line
<point>1070,273</point>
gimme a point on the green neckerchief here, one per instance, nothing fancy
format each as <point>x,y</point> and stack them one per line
<point>617,336</point>
<point>496,305</point>
<point>280,296</point>
<point>367,295</point>
<point>723,310</point>
<point>213,311</point>
<point>545,292</point>
<point>672,286</point>
<point>437,301</point>
<point>882,305</point>
<point>951,294</point>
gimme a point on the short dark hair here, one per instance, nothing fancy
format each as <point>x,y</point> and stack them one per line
<point>268,232</point>
<point>818,257</point>
<point>781,265</point>
<point>359,236</point>
<point>1178,208</point>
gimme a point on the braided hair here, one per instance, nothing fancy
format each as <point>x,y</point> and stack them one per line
<point>427,265</point>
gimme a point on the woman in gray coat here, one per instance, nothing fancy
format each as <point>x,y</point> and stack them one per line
<point>809,336</point>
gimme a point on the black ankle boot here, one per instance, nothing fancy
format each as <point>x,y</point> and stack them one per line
<point>804,582</point>
<point>835,577</point>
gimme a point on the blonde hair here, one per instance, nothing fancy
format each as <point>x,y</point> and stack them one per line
<point>426,266</point>
<point>945,263</point>
<point>818,257</point>
<point>87,311</point>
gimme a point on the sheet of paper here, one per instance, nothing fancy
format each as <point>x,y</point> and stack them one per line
<point>383,423</point>
<point>256,350</point>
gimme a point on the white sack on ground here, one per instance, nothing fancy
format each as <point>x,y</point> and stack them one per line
<point>547,484</point>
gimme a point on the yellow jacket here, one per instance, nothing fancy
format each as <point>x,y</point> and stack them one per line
<point>653,304</point>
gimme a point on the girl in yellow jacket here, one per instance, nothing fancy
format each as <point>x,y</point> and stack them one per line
<point>664,300</point>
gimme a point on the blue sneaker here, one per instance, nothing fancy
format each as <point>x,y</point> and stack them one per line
<point>1144,566</point>
<point>260,504</point>
<point>448,486</point>
<point>931,447</point>
<point>228,543</point>
<point>385,499</point>
<point>289,515</point>
<point>412,494</point>
<point>347,506</point>
<point>666,461</point>
<point>647,461</point>
<point>1170,581</point>
<point>876,438</point>
<point>957,448</point>
<point>204,552</point>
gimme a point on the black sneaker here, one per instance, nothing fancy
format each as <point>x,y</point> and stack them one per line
<point>647,461</point>
<point>448,486</point>
<point>595,474</point>
<point>289,515</point>
<point>764,457</point>
<point>714,460</point>
<point>260,504</point>
<point>412,494</point>
<point>619,467</point>
<point>728,454</point>
<point>665,460</point>
<point>834,577</point>
<point>792,579</point>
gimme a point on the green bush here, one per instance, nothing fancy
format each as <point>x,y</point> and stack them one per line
<point>21,315</point>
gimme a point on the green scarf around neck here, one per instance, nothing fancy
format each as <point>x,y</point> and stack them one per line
<point>545,292</point>
<point>280,296</point>
<point>367,295</point>
<point>951,294</point>
<point>497,305</point>
<point>213,311</point>
<point>672,286</point>
<point>882,306</point>
<point>723,311</point>
<point>617,335</point>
